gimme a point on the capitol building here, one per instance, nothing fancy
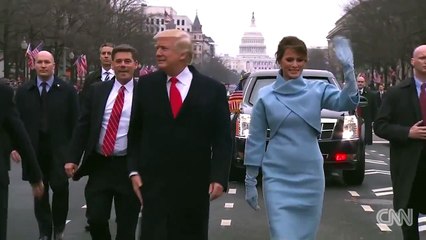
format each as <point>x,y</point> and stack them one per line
<point>252,55</point>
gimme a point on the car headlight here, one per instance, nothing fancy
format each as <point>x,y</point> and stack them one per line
<point>350,127</point>
<point>243,124</point>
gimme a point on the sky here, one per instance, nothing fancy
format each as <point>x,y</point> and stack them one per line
<point>225,21</point>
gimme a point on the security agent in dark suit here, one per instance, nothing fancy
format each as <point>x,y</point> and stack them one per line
<point>402,120</point>
<point>49,108</point>
<point>14,136</point>
<point>105,73</point>
<point>368,113</point>
<point>179,143</point>
<point>101,134</point>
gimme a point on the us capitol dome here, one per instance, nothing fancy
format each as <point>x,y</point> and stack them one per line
<point>252,52</point>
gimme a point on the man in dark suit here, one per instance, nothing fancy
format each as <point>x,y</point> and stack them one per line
<point>48,106</point>
<point>368,113</point>
<point>105,73</point>
<point>179,143</point>
<point>402,121</point>
<point>101,133</point>
<point>380,95</point>
<point>14,136</point>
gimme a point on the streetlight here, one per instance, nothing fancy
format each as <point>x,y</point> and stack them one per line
<point>24,46</point>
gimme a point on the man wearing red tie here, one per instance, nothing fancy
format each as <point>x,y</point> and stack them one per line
<point>179,143</point>
<point>101,134</point>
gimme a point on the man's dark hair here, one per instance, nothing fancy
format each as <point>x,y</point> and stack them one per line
<point>124,48</point>
<point>106,44</point>
<point>291,42</point>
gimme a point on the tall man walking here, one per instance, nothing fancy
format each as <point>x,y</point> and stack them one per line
<point>402,121</point>
<point>179,143</point>
<point>48,106</point>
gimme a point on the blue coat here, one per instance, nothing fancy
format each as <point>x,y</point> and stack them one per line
<point>292,165</point>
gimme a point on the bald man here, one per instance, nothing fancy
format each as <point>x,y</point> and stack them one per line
<point>402,120</point>
<point>48,106</point>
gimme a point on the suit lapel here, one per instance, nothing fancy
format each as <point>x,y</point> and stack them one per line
<point>411,87</point>
<point>104,91</point>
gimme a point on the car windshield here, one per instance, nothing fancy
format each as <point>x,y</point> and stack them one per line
<point>260,82</point>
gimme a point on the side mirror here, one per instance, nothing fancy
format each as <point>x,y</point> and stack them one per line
<point>363,101</point>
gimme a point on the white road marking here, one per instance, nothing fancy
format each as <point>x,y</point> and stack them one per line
<point>422,228</point>
<point>232,191</point>
<point>225,222</point>
<point>229,205</point>
<point>353,193</point>
<point>84,206</point>
<point>379,162</point>
<point>380,141</point>
<point>382,155</point>
<point>376,171</point>
<point>373,151</point>
<point>367,208</point>
<point>383,227</point>
<point>388,158</point>
<point>367,154</point>
<point>382,189</point>
<point>67,221</point>
<point>422,219</point>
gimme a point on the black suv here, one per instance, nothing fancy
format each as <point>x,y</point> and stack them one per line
<point>342,133</point>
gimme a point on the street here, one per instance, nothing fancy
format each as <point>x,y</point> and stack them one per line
<point>349,213</point>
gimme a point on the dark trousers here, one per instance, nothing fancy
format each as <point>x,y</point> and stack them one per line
<point>50,216</point>
<point>417,202</point>
<point>110,181</point>
<point>162,222</point>
<point>4,195</point>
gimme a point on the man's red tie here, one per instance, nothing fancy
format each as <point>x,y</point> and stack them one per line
<point>423,102</point>
<point>175,98</point>
<point>112,127</point>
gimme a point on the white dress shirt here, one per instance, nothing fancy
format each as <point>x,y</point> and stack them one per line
<point>120,148</point>
<point>110,74</point>
<point>185,79</point>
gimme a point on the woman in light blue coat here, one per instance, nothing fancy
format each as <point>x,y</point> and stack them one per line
<point>292,165</point>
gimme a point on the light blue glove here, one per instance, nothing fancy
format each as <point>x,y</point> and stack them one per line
<point>251,190</point>
<point>342,48</point>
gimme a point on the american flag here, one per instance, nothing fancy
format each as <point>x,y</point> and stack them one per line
<point>234,101</point>
<point>81,64</point>
<point>31,54</point>
<point>167,17</point>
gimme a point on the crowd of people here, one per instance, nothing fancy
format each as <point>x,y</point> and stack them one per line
<point>142,142</point>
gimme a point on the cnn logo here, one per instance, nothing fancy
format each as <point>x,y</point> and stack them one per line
<point>390,217</point>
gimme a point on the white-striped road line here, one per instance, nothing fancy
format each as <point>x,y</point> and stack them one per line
<point>376,171</point>
<point>232,191</point>
<point>229,205</point>
<point>225,222</point>
<point>383,191</point>
<point>422,228</point>
<point>353,193</point>
<point>367,154</point>
<point>367,208</point>
<point>380,141</point>
<point>373,151</point>
<point>379,162</point>
<point>383,227</point>
<point>422,219</point>
<point>382,155</point>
